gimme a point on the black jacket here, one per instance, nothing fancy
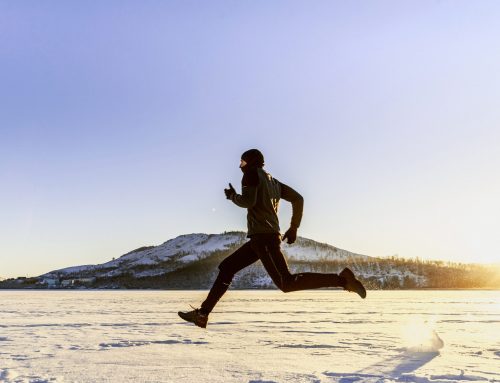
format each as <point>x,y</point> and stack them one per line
<point>261,194</point>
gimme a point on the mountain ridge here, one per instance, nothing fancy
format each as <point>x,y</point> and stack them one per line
<point>187,248</point>
<point>190,261</point>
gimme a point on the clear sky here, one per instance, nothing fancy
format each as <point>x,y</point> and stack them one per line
<point>122,122</point>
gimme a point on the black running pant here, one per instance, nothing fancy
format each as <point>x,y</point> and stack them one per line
<point>265,247</point>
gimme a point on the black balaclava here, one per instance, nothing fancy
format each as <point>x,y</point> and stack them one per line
<point>254,159</point>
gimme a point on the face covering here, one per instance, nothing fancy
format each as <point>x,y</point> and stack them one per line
<point>253,158</point>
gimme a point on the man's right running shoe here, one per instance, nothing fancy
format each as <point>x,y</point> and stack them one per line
<point>352,284</point>
<point>195,316</point>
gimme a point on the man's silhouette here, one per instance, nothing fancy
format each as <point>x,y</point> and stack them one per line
<point>261,194</point>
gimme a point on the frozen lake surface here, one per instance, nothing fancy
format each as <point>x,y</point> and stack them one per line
<point>252,336</point>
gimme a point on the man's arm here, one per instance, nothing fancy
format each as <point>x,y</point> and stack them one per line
<point>290,195</point>
<point>248,197</point>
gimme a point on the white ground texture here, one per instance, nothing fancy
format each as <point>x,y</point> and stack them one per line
<point>252,336</point>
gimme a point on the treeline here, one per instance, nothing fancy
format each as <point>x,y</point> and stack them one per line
<point>400,273</point>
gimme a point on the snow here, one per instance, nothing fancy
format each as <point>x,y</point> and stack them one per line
<point>308,250</point>
<point>76,269</point>
<point>252,336</point>
<point>149,273</point>
<point>263,281</point>
<point>189,258</point>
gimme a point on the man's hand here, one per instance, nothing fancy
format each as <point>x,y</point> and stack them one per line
<point>290,235</point>
<point>229,192</point>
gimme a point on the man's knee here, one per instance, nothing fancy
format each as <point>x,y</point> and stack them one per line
<point>286,288</point>
<point>226,273</point>
<point>287,284</point>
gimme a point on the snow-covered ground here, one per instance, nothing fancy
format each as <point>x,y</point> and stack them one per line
<point>253,336</point>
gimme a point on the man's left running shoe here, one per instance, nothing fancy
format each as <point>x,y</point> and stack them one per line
<point>195,316</point>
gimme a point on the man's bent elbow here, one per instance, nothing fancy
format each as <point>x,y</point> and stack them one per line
<point>298,201</point>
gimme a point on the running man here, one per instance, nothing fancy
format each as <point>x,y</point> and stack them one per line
<point>260,195</point>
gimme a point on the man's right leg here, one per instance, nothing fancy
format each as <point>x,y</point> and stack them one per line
<point>268,249</point>
<point>237,261</point>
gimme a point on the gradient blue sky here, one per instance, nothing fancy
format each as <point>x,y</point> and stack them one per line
<point>122,122</point>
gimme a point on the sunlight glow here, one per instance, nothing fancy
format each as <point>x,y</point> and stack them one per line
<point>419,335</point>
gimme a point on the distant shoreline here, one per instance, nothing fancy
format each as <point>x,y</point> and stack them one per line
<point>323,289</point>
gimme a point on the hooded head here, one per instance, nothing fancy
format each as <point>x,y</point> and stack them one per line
<point>253,159</point>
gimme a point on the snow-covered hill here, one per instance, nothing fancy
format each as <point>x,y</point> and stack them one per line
<point>190,248</point>
<point>190,261</point>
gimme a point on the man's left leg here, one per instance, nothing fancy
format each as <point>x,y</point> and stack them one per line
<point>241,258</point>
<point>238,260</point>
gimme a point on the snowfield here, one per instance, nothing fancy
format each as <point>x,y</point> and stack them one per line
<point>253,336</point>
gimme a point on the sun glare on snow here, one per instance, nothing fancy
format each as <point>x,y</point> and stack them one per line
<point>419,335</point>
